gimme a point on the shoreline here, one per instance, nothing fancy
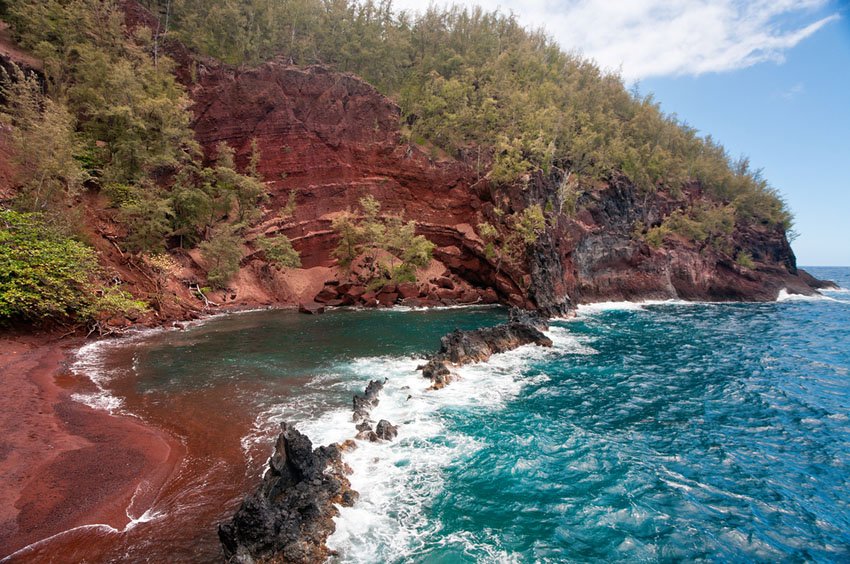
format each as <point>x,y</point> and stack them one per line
<point>65,465</point>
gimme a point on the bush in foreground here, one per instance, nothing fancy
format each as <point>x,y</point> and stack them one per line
<point>44,275</point>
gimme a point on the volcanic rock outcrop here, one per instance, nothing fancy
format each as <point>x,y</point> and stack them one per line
<point>290,516</point>
<point>466,347</point>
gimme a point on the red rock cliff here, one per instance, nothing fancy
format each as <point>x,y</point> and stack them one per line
<point>333,139</point>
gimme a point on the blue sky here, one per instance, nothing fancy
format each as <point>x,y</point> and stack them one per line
<point>769,79</point>
<point>793,120</point>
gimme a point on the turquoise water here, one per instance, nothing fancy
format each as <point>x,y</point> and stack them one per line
<point>657,433</point>
<point>654,432</point>
<point>715,432</point>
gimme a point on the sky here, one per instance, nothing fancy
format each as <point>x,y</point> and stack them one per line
<point>770,79</point>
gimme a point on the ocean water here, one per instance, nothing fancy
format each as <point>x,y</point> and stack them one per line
<point>663,432</point>
<point>650,432</point>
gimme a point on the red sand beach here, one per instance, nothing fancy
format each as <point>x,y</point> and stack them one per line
<point>62,464</point>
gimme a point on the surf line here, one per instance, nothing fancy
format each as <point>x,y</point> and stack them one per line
<point>291,514</point>
<point>145,517</point>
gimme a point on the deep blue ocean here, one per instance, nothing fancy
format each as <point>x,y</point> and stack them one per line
<point>657,432</point>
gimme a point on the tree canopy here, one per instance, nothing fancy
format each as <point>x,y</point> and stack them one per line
<point>471,81</point>
<point>111,116</point>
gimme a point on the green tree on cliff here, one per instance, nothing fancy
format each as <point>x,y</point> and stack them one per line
<point>280,252</point>
<point>373,234</point>
<point>42,134</point>
<point>476,82</point>
<point>222,252</point>
<point>510,245</point>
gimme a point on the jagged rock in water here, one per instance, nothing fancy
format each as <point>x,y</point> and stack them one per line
<point>363,404</point>
<point>529,317</point>
<point>290,515</point>
<point>367,435</point>
<point>437,371</point>
<point>465,347</point>
<point>385,430</point>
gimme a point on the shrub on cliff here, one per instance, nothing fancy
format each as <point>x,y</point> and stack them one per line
<point>476,82</point>
<point>520,230</point>
<point>44,275</point>
<point>745,259</point>
<point>711,226</point>
<point>222,252</point>
<point>279,251</point>
<point>373,234</point>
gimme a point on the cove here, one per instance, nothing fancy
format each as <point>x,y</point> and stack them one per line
<point>662,431</point>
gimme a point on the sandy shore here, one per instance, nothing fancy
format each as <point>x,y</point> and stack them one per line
<point>63,464</point>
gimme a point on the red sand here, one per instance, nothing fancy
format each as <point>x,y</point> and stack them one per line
<point>63,464</point>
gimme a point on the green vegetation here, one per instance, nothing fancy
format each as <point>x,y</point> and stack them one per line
<point>745,259</point>
<point>477,83</point>
<point>279,251</point>
<point>377,236</point>
<point>110,116</point>
<point>41,274</point>
<point>222,251</point>
<point>523,229</point>
<point>705,225</point>
<point>42,134</point>
<point>45,275</point>
<point>132,113</point>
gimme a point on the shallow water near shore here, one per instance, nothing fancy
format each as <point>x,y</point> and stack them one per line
<point>662,432</point>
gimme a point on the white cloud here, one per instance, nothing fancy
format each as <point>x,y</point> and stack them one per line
<point>647,38</point>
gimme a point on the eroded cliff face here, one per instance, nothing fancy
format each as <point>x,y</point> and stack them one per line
<point>601,258</point>
<point>331,139</point>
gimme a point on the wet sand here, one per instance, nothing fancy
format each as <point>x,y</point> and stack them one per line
<point>62,464</point>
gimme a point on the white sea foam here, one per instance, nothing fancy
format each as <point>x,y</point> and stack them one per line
<point>90,362</point>
<point>101,400</point>
<point>398,480</point>
<point>585,310</point>
<point>590,309</point>
<point>838,294</point>
<point>838,290</point>
<point>785,296</point>
<point>23,551</point>
<point>564,342</point>
<point>146,517</point>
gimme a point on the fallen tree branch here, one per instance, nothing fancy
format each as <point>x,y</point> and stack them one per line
<point>207,302</point>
